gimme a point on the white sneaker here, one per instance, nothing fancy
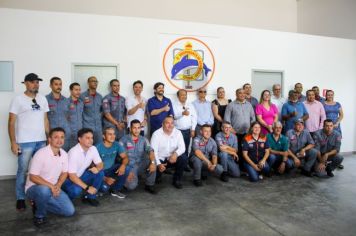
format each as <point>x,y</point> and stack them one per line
<point>260,176</point>
<point>118,194</point>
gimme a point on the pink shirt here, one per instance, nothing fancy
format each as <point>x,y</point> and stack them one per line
<point>267,115</point>
<point>45,164</point>
<point>316,115</point>
<point>79,160</point>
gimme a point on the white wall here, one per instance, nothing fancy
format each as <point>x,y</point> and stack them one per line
<point>47,43</point>
<point>271,14</point>
<point>327,17</point>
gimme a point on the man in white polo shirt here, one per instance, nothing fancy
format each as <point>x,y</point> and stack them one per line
<point>28,125</point>
<point>169,149</point>
<point>136,106</point>
<point>48,170</point>
<point>83,175</point>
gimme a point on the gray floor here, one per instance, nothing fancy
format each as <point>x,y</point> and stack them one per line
<point>288,205</point>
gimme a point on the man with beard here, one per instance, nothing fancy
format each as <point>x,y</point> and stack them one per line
<point>28,113</point>
<point>58,109</point>
<point>75,113</point>
<point>159,107</point>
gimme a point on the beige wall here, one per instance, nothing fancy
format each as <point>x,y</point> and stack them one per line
<point>278,15</point>
<point>335,18</point>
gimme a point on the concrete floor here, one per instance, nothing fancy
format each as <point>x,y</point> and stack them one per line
<point>287,205</point>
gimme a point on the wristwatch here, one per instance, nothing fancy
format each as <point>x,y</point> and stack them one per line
<point>153,162</point>
<point>87,188</point>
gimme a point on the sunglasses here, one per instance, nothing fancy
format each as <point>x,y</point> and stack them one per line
<point>35,105</point>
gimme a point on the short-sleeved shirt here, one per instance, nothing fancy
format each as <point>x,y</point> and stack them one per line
<point>222,139</point>
<point>266,115</point>
<point>297,142</point>
<point>154,103</point>
<point>75,114</point>
<point>256,148</point>
<point>281,144</point>
<point>291,107</point>
<point>240,115</point>
<point>29,118</point>
<point>115,105</point>
<point>137,150</point>
<point>79,160</point>
<point>326,143</point>
<point>92,111</point>
<point>58,112</point>
<point>207,147</point>
<point>253,101</point>
<point>131,102</point>
<point>109,154</point>
<point>48,166</point>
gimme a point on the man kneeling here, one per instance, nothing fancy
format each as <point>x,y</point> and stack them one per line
<point>205,157</point>
<point>48,170</point>
<point>328,142</point>
<point>83,175</point>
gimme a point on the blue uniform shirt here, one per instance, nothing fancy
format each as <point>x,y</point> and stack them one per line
<point>58,112</point>
<point>92,114</point>
<point>154,103</point>
<point>136,150</point>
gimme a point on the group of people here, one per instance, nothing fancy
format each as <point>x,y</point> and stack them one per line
<point>86,145</point>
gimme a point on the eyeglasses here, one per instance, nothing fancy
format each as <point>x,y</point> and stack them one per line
<point>35,105</point>
<point>94,81</point>
<point>202,91</point>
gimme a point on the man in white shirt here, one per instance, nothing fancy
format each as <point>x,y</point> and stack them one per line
<point>136,106</point>
<point>168,145</point>
<point>83,175</point>
<point>277,99</point>
<point>185,118</point>
<point>28,113</point>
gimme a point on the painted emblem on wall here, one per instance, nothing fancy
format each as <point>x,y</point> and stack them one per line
<point>188,63</point>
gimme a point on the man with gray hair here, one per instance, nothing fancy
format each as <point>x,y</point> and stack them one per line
<point>240,114</point>
<point>277,99</point>
<point>280,159</point>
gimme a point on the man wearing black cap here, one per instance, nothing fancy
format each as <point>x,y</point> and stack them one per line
<point>159,107</point>
<point>28,113</point>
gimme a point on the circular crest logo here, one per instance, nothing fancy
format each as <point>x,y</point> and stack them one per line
<point>188,63</point>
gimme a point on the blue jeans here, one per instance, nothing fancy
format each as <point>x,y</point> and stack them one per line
<point>73,190</point>
<point>27,151</point>
<point>119,179</point>
<point>45,202</point>
<point>275,161</point>
<point>253,174</point>
<point>229,164</point>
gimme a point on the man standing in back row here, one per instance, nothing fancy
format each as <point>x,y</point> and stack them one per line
<point>28,113</point>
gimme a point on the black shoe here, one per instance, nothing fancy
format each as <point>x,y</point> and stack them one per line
<point>329,173</point>
<point>197,182</point>
<point>20,205</point>
<point>306,173</point>
<point>187,169</point>
<point>340,166</point>
<point>38,222</point>
<point>34,208</point>
<point>204,177</point>
<point>150,189</point>
<point>168,172</point>
<point>177,184</point>
<point>90,201</point>
<point>224,177</point>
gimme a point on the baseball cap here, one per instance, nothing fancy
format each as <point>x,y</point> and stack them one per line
<point>31,77</point>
